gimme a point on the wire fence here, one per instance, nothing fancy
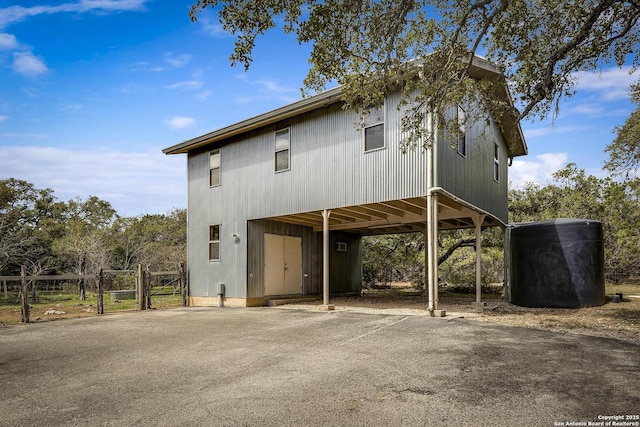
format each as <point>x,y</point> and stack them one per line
<point>138,285</point>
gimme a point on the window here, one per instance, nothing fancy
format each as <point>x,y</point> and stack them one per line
<point>214,243</point>
<point>282,146</point>
<point>496,162</point>
<point>374,129</point>
<point>341,246</point>
<point>462,135</point>
<point>214,168</point>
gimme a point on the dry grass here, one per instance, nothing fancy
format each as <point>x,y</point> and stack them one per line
<point>612,320</point>
<point>58,306</point>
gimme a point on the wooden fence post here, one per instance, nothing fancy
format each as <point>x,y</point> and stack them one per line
<point>141,296</point>
<point>4,285</point>
<point>24,297</point>
<point>148,288</point>
<point>183,284</point>
<point>100,292</point>
<point>81,284</point>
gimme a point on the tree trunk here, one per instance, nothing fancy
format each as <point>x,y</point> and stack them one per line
<point>34,293</point>
<point>459,244</point>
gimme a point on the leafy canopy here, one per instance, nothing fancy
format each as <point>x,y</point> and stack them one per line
<point>368,46</point>
<point>624,151</point>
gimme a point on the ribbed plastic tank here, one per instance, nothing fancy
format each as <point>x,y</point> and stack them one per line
<point>557,263</point>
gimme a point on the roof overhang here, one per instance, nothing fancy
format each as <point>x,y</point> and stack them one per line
<point>480,69</point>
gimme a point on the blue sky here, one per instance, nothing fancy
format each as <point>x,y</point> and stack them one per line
<point>91,91</point>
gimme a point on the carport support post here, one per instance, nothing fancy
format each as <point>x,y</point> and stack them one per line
<point>431,254</point>
<point>478,220</point>
<point>325,260</point>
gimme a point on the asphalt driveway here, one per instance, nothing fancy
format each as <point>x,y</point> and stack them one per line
<point>267,366</point>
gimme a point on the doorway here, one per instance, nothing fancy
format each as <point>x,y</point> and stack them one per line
<point>282,265</point>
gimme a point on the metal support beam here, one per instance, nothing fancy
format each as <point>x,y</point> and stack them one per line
<point>434,252</point>
<point>325,256</point>
<point>478,220</point>
<point>431,253</point>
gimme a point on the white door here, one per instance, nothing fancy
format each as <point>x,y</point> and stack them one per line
<point>292,265</point>
<point>282,265</point>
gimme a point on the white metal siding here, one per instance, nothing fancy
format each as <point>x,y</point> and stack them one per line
<point>471,177</point>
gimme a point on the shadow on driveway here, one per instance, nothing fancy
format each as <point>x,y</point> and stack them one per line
<point>264,366</point>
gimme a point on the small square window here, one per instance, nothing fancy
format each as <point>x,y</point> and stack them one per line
<point>374,137</point>
<point>214,243</point>
<point>282,150</point>
<point>341,247</point>
<point>374,128</point>
<point>214,168</point>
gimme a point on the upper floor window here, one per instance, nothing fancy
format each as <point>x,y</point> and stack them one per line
<point>282,150</point>
<point>461,143</point>
<point>214,243</point>
<point>374,129</point>
<point>214,168</point>
<point>496,162</point>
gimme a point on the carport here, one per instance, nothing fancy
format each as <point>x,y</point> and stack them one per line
<point>401,216</point>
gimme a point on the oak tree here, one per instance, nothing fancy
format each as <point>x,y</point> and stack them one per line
<point>371,46</point>
<point>624,151</point>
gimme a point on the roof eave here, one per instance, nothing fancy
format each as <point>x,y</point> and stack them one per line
<point>480,68</point>
<point>304,105</point>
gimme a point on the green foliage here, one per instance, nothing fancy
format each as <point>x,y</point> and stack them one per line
<point>624,151</point>
<point>52,236</point>
<point>459,270</point>
<point>400,258</point>
<point>392,258</point>
<point>371,46</point>
<point>578,195</point>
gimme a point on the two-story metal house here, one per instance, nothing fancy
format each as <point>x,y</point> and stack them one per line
<point>278,203</point>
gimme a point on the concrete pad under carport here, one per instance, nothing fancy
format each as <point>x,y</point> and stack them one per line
<point>265,366</point>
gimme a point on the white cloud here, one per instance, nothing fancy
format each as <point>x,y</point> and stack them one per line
<point>202,96</point>
<point>186,85</point>
<point>8,41</point>
<point>177,61</point>
<point>70,108</point>
<point>612,84</point>
<point>38,136</point>
<point>29,92</point>
<point>3,118</point>
<point>133,182</point>
<point>212,28</point>
<point>552,130</point>
<point>180,122</point>
<point>591,110</point>
<point>28,64</point>
<point>268,89</point>
<point>12,14</point>
<point>539,170</point>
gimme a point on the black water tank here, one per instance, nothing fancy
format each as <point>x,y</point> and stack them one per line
<point>557,263</point>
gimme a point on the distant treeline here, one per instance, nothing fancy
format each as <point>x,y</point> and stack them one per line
<point>572,194</point>
<point>81,236</point>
